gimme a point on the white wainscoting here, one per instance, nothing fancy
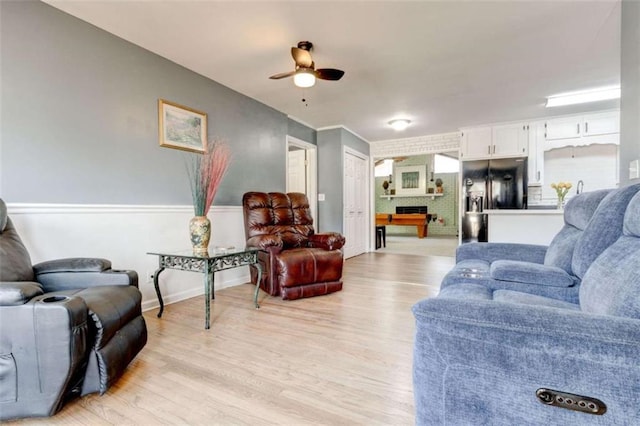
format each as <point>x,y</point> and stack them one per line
<point>124,234</point>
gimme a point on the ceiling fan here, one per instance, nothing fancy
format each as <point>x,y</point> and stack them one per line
<point>305,73</point>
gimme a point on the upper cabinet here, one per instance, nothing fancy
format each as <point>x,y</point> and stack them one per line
<point>511,140</point>
<point>508,140</point>
<point>476,143</point>
<point>581,130</point>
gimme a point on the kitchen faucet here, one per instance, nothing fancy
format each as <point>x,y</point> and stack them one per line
<point>579,186</point>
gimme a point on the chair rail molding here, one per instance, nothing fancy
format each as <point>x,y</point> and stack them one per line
<point>416,146</point>
<point>124,234</point>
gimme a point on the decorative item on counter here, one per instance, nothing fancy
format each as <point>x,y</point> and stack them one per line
<point>205,174</point>
<point>439,189</point>
<point>562,188</point>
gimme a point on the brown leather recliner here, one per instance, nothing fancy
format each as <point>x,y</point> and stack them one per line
<point>295,261</point>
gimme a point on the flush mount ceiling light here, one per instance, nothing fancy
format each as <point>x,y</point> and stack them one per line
<point>304,77</point>
<point>399,124</point>
<point>584,96</point>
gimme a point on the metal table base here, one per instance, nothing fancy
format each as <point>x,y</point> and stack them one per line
<point>207,264</point>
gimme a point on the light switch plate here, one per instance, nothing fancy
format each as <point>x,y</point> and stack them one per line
<point>320,197</point>
<point>634,169</point>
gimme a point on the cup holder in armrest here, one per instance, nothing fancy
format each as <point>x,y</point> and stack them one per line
<point>53,299</point>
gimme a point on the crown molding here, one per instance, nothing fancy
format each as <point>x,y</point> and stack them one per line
<point>416,145</point>
<point>341,126</point>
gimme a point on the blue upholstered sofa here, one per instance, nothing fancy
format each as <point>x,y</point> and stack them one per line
<point>488,354</point>
<point>593,221</point>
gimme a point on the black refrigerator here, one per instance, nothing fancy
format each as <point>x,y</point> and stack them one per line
<point>490,184</point>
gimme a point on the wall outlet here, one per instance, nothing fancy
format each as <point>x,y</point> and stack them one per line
<point>634,169</point>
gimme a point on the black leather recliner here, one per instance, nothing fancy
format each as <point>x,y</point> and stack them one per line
<point>68,327</point>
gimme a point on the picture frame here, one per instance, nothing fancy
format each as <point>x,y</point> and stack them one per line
<point>411,180</point>
<point>181,127</point>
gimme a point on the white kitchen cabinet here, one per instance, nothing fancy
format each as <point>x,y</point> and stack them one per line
<point>563,128</point>
<point>535,162</point>
<point>583,130</point>
<point>604,123</point>
<point>508,140</point>
<point>476,143</point>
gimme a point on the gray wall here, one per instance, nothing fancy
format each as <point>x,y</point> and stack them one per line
<point>630,77</point>
<point>331,145</point>
<point>302,132</point>
<point>80,122</point>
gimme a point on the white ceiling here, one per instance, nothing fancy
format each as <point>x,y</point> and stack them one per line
<point>444,65</point>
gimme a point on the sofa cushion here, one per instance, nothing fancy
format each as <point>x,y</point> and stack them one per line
<point>15,262</point>
<point>604,228</point>
<point>577,214</point>
<point>611,286</point>
<point>509,296</point>
<point>531,273</point>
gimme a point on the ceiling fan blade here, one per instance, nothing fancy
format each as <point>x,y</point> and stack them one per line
<point>302,57</point>
<point>282,75</point>
<point>329,74</point>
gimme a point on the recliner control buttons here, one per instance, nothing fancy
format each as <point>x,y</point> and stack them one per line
<point>571,401</point>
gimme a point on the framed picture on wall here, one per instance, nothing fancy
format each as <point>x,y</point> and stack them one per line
<point>181,127</point>
<point>411,180</point>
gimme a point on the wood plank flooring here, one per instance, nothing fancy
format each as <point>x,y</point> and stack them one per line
<point>341,359</point>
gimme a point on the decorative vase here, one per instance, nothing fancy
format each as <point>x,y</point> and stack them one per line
<point>200,230</point>
<point>560,203</point>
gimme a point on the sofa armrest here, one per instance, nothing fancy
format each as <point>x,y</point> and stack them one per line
<point>73,264</point>
<point>72,273</point>
<point>501,251</point>
<point>327,240</point>
<point>18,293</point>
<point>531,273</point>
<point>265,241</point>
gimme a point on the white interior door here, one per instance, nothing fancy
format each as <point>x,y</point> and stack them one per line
<point>356,223</point>
<point>297,175</point>
<point>302,172</point>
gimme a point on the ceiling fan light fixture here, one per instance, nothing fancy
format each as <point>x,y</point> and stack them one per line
<point>304,77</point>
<point>584,96</point>
<point>399,124</point>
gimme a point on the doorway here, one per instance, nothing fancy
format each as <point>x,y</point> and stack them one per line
<point>302,172</point>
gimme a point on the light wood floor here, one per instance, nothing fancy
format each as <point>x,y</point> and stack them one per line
<point>341,359</point>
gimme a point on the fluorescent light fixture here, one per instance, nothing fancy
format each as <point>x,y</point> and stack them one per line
<point>584,96</point>
<point>304,77</point>
<point>399,124</point>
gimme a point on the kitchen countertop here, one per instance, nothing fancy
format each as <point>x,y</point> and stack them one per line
<point>524,212</point>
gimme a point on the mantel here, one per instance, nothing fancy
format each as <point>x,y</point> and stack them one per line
<point>388,197</point>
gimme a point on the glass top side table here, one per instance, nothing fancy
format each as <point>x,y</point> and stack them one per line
<point>217,259</point>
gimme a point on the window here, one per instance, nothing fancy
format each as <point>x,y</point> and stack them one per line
<point>445,164</point>
<point>385,168</point>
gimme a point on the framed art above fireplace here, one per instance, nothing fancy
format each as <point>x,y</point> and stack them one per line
<point>411,180</point>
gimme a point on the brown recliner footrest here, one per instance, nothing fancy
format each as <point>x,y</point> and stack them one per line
<point>303,266</point>
<point>310,290</point>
